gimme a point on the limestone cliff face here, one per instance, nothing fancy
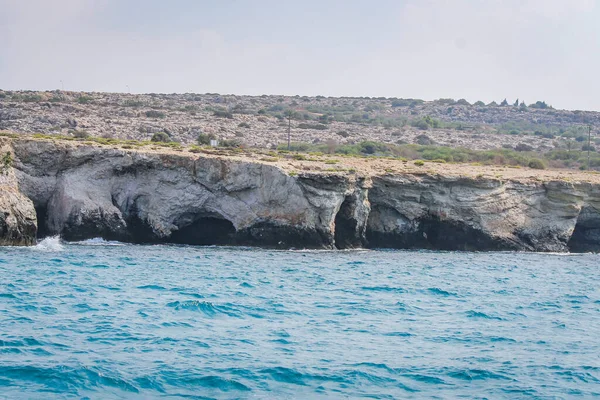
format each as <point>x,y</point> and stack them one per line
<point>82,192</point>
<point>18,224</point>
<point>453,213</point>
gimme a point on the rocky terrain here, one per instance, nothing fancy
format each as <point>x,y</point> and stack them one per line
<point>260,121</point>
<point>17,215</point>
<point>83,190</point>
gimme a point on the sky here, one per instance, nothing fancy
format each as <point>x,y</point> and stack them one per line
<point>474,49</point>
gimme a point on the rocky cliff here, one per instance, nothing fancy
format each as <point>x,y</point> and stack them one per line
<point>83,191</point>
<point>17,216</point>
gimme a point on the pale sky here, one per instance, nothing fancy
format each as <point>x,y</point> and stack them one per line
<point>474,49</point>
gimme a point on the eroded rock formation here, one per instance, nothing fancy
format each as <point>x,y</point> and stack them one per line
<point>85,191</point>
<point>17,216</point>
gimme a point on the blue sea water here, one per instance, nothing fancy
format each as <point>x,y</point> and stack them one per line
<point>107,321</point>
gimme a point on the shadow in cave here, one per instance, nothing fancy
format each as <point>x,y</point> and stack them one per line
<point>206,230</point>
<point>434,233</point>
<point>586,235</point>
<point>41,213</point>
<point>346,233</point>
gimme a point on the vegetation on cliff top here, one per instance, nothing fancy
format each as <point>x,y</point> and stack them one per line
<point>367,149</point>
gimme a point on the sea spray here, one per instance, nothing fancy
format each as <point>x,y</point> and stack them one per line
<point>51,243</point>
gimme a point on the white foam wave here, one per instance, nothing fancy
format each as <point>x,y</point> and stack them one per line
<point>99,242</point>
<point>51,243</point>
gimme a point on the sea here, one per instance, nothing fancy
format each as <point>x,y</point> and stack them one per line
<point>106,320</point>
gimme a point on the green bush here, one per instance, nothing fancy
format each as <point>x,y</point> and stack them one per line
<point>419,163</point>
<point>34,98</point>
<point>84,99</point>
<point>244,125</point>
<point>80,134</point>
<point>204,139</point>
<point>319,127</point>
<point>540,104</point>
<point>6,163</point>
<point>160,137</point>
<point>230,143</point>
<point>155,114</point>
<point>536,163</point>
<point>223,114</point>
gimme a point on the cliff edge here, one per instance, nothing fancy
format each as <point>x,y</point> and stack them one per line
<point>82,190</point>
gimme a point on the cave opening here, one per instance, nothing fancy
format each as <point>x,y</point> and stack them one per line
<point>41,213</point>
<point>586,235</point>
<point>427,232</point>
<point>205,230</point>
<point>346,235</point>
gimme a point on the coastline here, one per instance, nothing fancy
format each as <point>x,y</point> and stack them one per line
<point>155,194</point>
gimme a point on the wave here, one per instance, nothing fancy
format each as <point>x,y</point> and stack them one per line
<point>99,242</point>
<point>479,314</point>
<point>61,379</point>
<point>51,243</point>
<point>206,307</point>
<point>440,292</point>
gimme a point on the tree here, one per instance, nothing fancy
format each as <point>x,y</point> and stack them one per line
<point>504,103</point>
<point>540,104</point>
<point>516,103</point>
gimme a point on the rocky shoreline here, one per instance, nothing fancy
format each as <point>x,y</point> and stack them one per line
<point>82,190</point>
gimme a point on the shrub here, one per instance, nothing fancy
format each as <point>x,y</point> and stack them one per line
<point>540,104</point>
<point>423,140</point>
<point>421,124</point>
<point>84,99</point>
<point>32,98</point>
<point>372,147</point>
<point>419,163</point>
<point>406,102</point>
<point>80,134</point>
<point>133,103</point>
<point>160,137</point>
<point>244,125</point>
<point>223,114</point>
<point>230,143</point>
<point>6,162</point>
<point>325,119</point>
<point>523,147</point>
<point>585,147</point>
<point>319,127</point>
<point>155,114</point>
<point>204,139</point>
<point>536,163</point>
<point>343,134</point>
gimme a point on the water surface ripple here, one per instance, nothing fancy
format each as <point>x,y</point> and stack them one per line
<point>99,320</point>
